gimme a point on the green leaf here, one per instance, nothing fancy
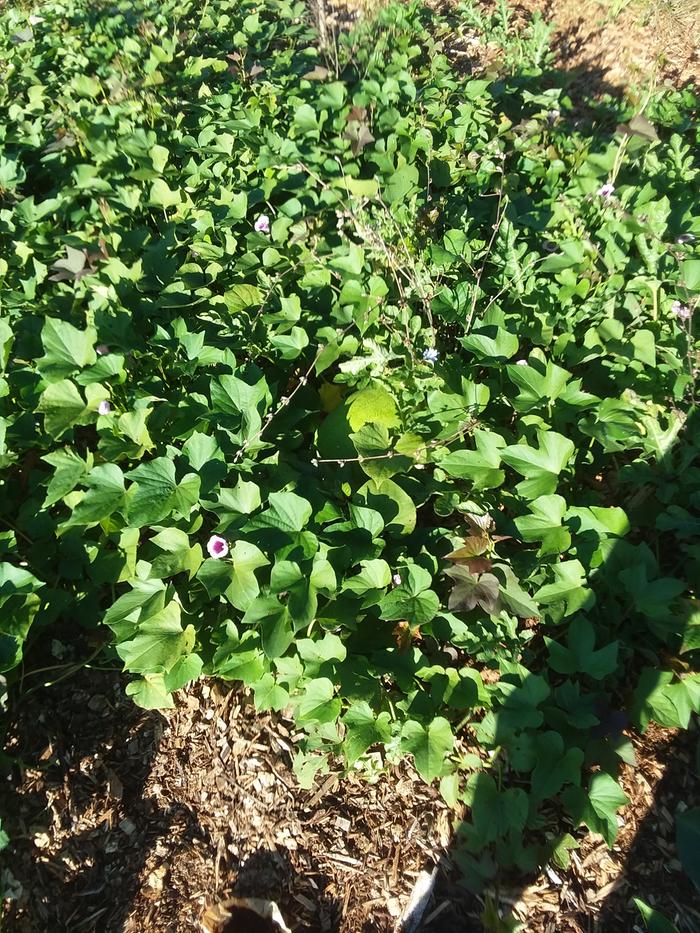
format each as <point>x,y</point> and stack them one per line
<point>362,730</point>
<point>177,554</point>
<point>201,449</point>
<point>105,496</point>
<point>269,695</point>
<point>66,349</point>
<point>155,494</point>
<point>400,184</point>
<point>286,512</point>
<point>393,504</point>
<point>305,119</point>
<point>159,643</point>
<point>306,766</point>
<point>361,187</point>
<point>85,86</point>
<point>540,466</point>
<point>186,669</point>
<point>544,523</point>
<point>70,470</point>
<point>513,596</point>
<point>555,767</point>
<point>246,559</point>
<point>374,575</point>
<point>598,807</point>
<point>481,466</point>
<point>379,458</point>
<point>570,254</point>
<point>603,521</point>
<point>240,297</point>
<point>537,384</point>
<point>20,603</point>
<point>429,745</point>
<point>690,274</point>
<point>412,600</point>
<point>373,405</point>
<point>580,656</point>
<point>272,619</point>
<point>317,702</point>
<point>670,702</point>
<point>560,851</point>
<point>150,692</point>
<point>243,499</point>
<point>491,343</point>
<point>654,921</point>
<point>568,589</point>
<point>688,842</point>
<point>62,406</point>
<point>162,196</point>
<point>495,813</point>
<point>145,598</point>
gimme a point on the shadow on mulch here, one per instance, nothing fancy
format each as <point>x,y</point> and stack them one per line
<point>65,743</point>
<point>651,857</point>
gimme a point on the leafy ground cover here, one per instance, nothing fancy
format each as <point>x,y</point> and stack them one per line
<point>357,382</point>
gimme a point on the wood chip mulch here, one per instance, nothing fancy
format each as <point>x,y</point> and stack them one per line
<point>131,821</point>
<point>123,820</point>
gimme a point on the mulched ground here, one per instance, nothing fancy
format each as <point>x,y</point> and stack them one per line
<point>125,820</point>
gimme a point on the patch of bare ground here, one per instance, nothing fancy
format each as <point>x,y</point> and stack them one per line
<point>625,44</point>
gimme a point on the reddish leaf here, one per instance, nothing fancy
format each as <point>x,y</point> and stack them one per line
<point>478,564</point>
<point>473,546</point>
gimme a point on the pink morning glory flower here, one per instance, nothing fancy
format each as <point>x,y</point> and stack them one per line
<point>101,349</point>
<point>606,191</point>
<point>262,224</point>
<point>681,311</point>
<point>104,407</point>
<point>217,547</point>
<point>396,579</point>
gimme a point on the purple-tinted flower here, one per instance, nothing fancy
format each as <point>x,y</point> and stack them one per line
<point>681,311</point>
<point>521,363</point>
<point>396,579</point>
<point>685,238</point>
<point>104,407</point>
<point>262,224</point>
<point>553,116</point>
<point>101,349</point>
<point>217,547</point>
<point>606,191</point>
<point>430,355</point>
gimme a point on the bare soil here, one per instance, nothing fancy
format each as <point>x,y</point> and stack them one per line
<point>617,46</point>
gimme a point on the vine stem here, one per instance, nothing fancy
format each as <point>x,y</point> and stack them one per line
<point>500,214</point>
<point>466,428</point>
<point>285,400</point>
